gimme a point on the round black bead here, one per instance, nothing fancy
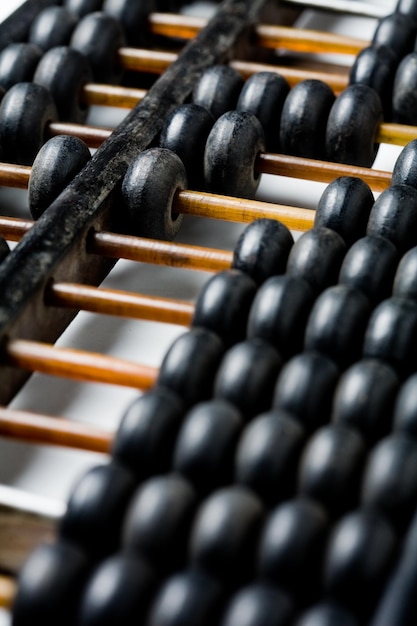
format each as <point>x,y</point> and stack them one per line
<point>305,388</point>
<point>190,365</point>
<point>157,521</point>
<point>326,614</point>
<point>96,508</point>
<point>364,398</point>
<point>259,605</point>
<point>262,249</point>
<point>132,16</point>
<point>18,62</point>
<point>352,125</point>
<point>218,89</point>
<point>408,7</point>
<point>316,256</point>
<point>405,281</point>
<point>304,119</point>
<point>369,266</point>
<point>267,455</point>
<point>146,435</point>
<point>263,94</point>
<point>405,168</point>
<point>148,191</point>
<point>206,443</point>
<point>405,410</point>
<point>52,27</point>
<point>394,216</point>
<point>232,146</point>
<point>246,376</point>
<point>82,7</point>
<point>344,207</point>
<point>58,161</point>
<point>404,93</point>
<point>397,32</point>
<point>223,305</point>
<point>279,313</point>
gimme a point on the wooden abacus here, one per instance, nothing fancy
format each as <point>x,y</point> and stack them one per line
<point>56,270</point>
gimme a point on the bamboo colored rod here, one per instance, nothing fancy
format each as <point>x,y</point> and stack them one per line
<point>111,95</point>
<point>46,430</point>
<point>119,303</point>
<point>77,364</point>
<point>7,591</point>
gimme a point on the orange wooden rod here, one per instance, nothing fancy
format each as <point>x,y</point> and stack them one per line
<point>7,591</point>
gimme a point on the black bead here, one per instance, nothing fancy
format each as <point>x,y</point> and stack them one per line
<point>223,305</point>
<point>397,32</point>
<point>305,388</point>
<point>405,410</point>
<point>232,146</point>
<point>25,113</point>
<point>82,7</point>
<point>267,455</point>
<point>326,614</point>
<point>18,62</point>
<point>65,71</point>
<point>262,249</point>
<point>369,266</point>
<point>263,94</point>
<point>352,125</point>
<point>394,216</point>
<point>58,161</point>
<point>259,605</point>
<point>132,16</point>
<point>405,281</point>
<point>185,132</point>
<point>96,508</point>
<point>190,365</point>
<point>157,521</point>
<point>224,534</point>
<point>364,398</point>
<point>279,313</point>
<point>148,191</point>
<point>304,119</point>
<point>4,249</point>
<point>404,100</point>
<point>218,89</point>
<point>206,443</point>
<point>146,435</point>
<point>117,592</point>
<point>316,256</point>
<point>52,597</point>
<point>405,168</point>
<point>344,207</point>
<point>391,334</point>
<point>330,468</point>
<point>408,7</point>
<point>246,376</point>
<point>52,27</point>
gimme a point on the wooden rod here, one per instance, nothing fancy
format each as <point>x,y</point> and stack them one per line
<point>77,364</point>
<point>8,589</point>
<point>111,95</point>
<point>14,228</point>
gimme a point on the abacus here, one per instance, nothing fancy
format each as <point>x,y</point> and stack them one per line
<point>263,469</point>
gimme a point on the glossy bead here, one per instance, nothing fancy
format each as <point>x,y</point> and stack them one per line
<point>206,443</point>
<point>25,113</point>
<point>223,305</point>
<point>267,455</point>
<point>146,435</point>
<point>344,207</point>
<point>391,334</point>
<point>185,132</point>
<point>405,410</point>
<point>158,520</point>
<point>364,398</point>
<point>376,66</point>
<point>305,387</point>
<point>316,257</point>
<point>18,62</point>
<point>352,125</point>
<point>96,508</point>
<point>326,614</point>
<point>359,553</point>
<point>263,94</point>
<point>58,161</point>
<point>50,598</point>
<point>397,32</point>
<point>408,7</point>
<point>394,216</point>
<point>98,37</point>
<point>231,150</point>
<point>405,167</point>
<point>52,27</point>
<point>148,195</point>
<point>186,599</point>
<point>330,467</point>
<point>82,7</point>
<point>405,281</point>
<point>291,546</point>
<point>259,605</point>
<point>65,71</point>
<point>224,534</point>
<point>404,93</point>
<point>304,119</point>
<point>279,313</point>
<point>390,478</point>
<point>132,16</point>
<point>218,89</point>
<point>246,376</point>
<point>190,365</point>
<point>117,592</point>
<point>369,266</point>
